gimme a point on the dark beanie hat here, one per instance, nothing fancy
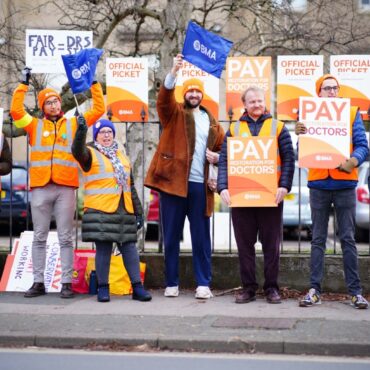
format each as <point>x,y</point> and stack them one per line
<point>103,123</point>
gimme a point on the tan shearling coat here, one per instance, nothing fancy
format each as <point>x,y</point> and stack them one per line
<point>170,166</point>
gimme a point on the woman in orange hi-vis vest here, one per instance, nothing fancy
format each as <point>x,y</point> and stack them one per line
<point>112,208</point>
<point>53,175</point>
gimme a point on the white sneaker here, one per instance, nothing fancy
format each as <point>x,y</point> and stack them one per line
<point>171,291</point>
<point>203,292</point>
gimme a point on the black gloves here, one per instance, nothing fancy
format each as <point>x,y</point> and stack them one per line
<point>26,75</point>
<point>81,122</point>
<point>139,222</point>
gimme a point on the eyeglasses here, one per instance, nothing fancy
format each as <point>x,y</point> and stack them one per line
<point>105,132</point>
<point>328,88</point>
<point>49,103</point>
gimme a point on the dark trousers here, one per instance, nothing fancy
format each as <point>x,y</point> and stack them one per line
<point>130,258</point>
<point>344,202</point>
<point>174,209</point>
<point>267,223</point>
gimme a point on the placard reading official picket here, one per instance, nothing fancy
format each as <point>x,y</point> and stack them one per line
<point>211,86</point>
<point>296,76</point>
<point>252,171</point>
<point>241,73</point>
<point>17,274</point>
<point>44,48</point>
<point>327,141</point>
<point>353,73</point>
<point>127,88</point>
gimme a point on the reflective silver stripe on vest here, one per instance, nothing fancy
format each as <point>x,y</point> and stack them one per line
<point>103,191</point>
<point>65,163</point>
<point>273,127</point>
<point>42,148</point>
<point>40,163</point>
<point>99,176</point>
<point>237,128</point>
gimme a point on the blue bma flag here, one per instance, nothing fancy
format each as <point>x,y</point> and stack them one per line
<point>80,68</point>
<point>205,49</point>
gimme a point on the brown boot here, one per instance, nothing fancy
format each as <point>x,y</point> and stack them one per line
<point>66,291</point>
<point>245,296</point>
<point>36,290</point>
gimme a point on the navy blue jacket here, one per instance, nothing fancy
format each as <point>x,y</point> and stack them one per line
<point>285,150</point>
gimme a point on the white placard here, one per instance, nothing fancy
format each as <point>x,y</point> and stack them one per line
<point>18,275</point>
<point>44,48</point>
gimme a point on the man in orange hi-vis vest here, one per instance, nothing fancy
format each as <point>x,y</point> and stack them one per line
<point>267,222</point>
<point>53,175</point>
<point>335,187</point>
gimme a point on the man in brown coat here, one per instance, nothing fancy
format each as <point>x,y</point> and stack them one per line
<point>189,142</point>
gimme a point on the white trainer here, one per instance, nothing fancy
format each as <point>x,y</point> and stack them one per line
<point>203,292</point>
<point>171,291</point>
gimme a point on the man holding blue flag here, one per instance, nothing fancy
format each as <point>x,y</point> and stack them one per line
<point>189,142</point>
<point>53,174</point>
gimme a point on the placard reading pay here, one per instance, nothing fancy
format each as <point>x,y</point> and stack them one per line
<point>327,141</point>
<point>252,171</point>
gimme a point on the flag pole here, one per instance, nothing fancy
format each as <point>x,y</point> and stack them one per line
<point>76,104</point>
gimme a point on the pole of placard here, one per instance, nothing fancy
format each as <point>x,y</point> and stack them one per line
<point>143,114</point>
<point>368,185</point>
<point>230,114</point>
<point>11,189</point>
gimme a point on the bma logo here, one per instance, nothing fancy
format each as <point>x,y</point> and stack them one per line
<point>78,72</point>
<point>211,54</point>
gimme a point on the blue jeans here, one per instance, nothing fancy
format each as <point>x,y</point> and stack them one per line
<point>174,209</point>
<point>344,202</point>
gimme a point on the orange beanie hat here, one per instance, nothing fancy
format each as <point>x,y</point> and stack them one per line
<point>46,94</point>
<point>192,84</point>
<point>321,80</point>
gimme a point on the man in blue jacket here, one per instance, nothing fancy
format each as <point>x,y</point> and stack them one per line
<point>335,187</point>
<point>264,221</point>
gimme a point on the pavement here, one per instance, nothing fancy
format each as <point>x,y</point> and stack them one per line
<point>184,324</point>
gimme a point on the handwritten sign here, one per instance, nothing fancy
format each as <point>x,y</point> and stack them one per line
<point>44,48</point>
<point>327,141</point>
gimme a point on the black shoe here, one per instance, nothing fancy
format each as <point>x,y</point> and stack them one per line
<point>66,291</point>
<point>36,290</point>
<point>272,296</point>
<point>245,296</point>
<point>140,294</point>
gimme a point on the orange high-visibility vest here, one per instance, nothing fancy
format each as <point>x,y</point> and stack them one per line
<point>51,157</point>
<point>323,173</point>
<point>101,189</point>
<point>270,127</point>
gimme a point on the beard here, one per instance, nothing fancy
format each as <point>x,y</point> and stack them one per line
<point>190,105</point>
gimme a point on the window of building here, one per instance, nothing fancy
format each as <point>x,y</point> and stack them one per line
<point>296,5</point>
<point>364,5</point>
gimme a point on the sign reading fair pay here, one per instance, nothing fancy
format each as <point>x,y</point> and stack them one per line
<point>327,141</point>
<point>252,171</point>
<point>44,48</point>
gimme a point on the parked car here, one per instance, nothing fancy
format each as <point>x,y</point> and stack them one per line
<point>362,204</point>
<point>20,207</point>
<point>292,205</point>
<point>153,216</point>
